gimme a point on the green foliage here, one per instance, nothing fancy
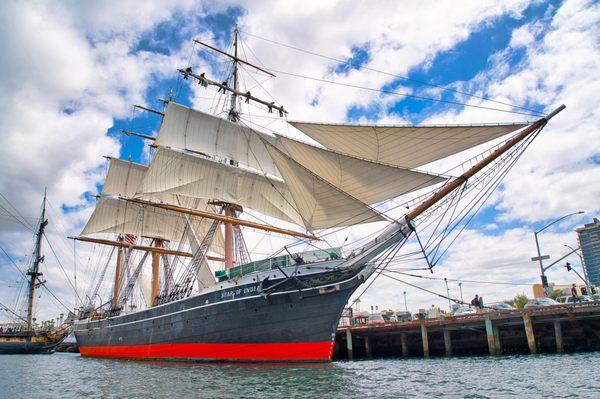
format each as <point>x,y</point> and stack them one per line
<point>518,301</point>
<point>556,294</point>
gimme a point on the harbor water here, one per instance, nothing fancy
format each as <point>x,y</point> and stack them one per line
<point>68,375</point>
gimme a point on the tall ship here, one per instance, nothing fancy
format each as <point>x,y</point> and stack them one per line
<point>23,335</point>
<point>184,285</point>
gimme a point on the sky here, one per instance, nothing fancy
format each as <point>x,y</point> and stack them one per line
<point>71,71</point>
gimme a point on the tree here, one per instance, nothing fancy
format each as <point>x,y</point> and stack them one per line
<point>518,301</point>
<point>556,294</point>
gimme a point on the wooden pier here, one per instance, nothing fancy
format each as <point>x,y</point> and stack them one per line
<point>563,328</point>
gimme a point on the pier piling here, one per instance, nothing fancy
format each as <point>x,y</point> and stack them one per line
<point>368,352</point>
<point>529,333</point>
<point>558,336</point>
<point>349,343</point>
<point>447,342</point>
<point>403,344</point>
<point>490,335</point>
<point>497,342</point>
<point>425,340</point>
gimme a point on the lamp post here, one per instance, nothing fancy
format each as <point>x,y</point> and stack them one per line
<point>405,304</point>
<point>448,292</point>
<point>540,258</point>
<point>461,295</point>
<point>585,276</point>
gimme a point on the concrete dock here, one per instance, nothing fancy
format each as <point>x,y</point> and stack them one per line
<point>563,328</point>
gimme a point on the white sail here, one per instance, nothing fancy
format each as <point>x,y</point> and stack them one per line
<point>321,204</point>
<point>403,146</point>
<point>122,217</point>
<point>187,128</point>
<point>173,172</point>
<point>123,178</point>
<point>366,181</point>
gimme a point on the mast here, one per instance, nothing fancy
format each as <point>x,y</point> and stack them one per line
<point>230,209</point>
<point>155,270</point>
<point>34,273</point>
<point>117,282</point>
<point>233,112</point>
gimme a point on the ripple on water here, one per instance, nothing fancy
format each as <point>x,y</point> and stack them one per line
<point>71,376</point>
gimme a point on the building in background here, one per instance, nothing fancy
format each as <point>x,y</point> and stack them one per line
<point>540,292</point>
<point>589,241</point>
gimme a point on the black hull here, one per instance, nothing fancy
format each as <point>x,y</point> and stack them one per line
<point>293,323</point>
<point>28,347</point>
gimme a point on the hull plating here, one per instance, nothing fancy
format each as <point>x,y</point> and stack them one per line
<point>233,324</point>
<point>25,348</point>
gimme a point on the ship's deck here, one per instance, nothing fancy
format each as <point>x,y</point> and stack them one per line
<point>281,261</point>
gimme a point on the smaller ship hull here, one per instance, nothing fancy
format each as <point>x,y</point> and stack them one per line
<point>25,346</point>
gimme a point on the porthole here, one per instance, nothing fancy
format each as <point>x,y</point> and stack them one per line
<point>255,309</point>
<point>291,305</point>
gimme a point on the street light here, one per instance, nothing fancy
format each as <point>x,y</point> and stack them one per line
<point>461,295</point>
<point>448,292</point>
<point>585,276</point>
<point>540,258</point>
<point>405,304</point>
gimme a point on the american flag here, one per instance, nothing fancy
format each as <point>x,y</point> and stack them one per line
<point>130,239</point>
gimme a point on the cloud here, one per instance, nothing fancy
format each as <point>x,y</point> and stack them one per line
<point>67,73</point>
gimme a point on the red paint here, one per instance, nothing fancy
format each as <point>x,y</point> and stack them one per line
<point>289,351</point>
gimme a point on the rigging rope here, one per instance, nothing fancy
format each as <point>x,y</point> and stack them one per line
<point>63,269</point>
<point>349,62</point>
<point>455,300</point>
<point>396,93</point>
<point>458,280</point>
<point>6,308</point>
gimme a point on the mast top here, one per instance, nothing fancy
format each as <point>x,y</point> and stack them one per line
<point>234,90</point>
<point>34,272</point>
<point>233,112</point>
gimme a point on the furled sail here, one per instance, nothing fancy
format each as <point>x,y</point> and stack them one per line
<point>321,204</point>
<point>403,146</point>
<point>366,181</point>
<point>122,217</point>
<point>174,172</point>
<point>187,128</point>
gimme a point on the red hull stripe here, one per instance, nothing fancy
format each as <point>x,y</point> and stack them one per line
<point>289,351</point>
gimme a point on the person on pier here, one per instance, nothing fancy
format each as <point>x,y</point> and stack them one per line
<point>574,294</point>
